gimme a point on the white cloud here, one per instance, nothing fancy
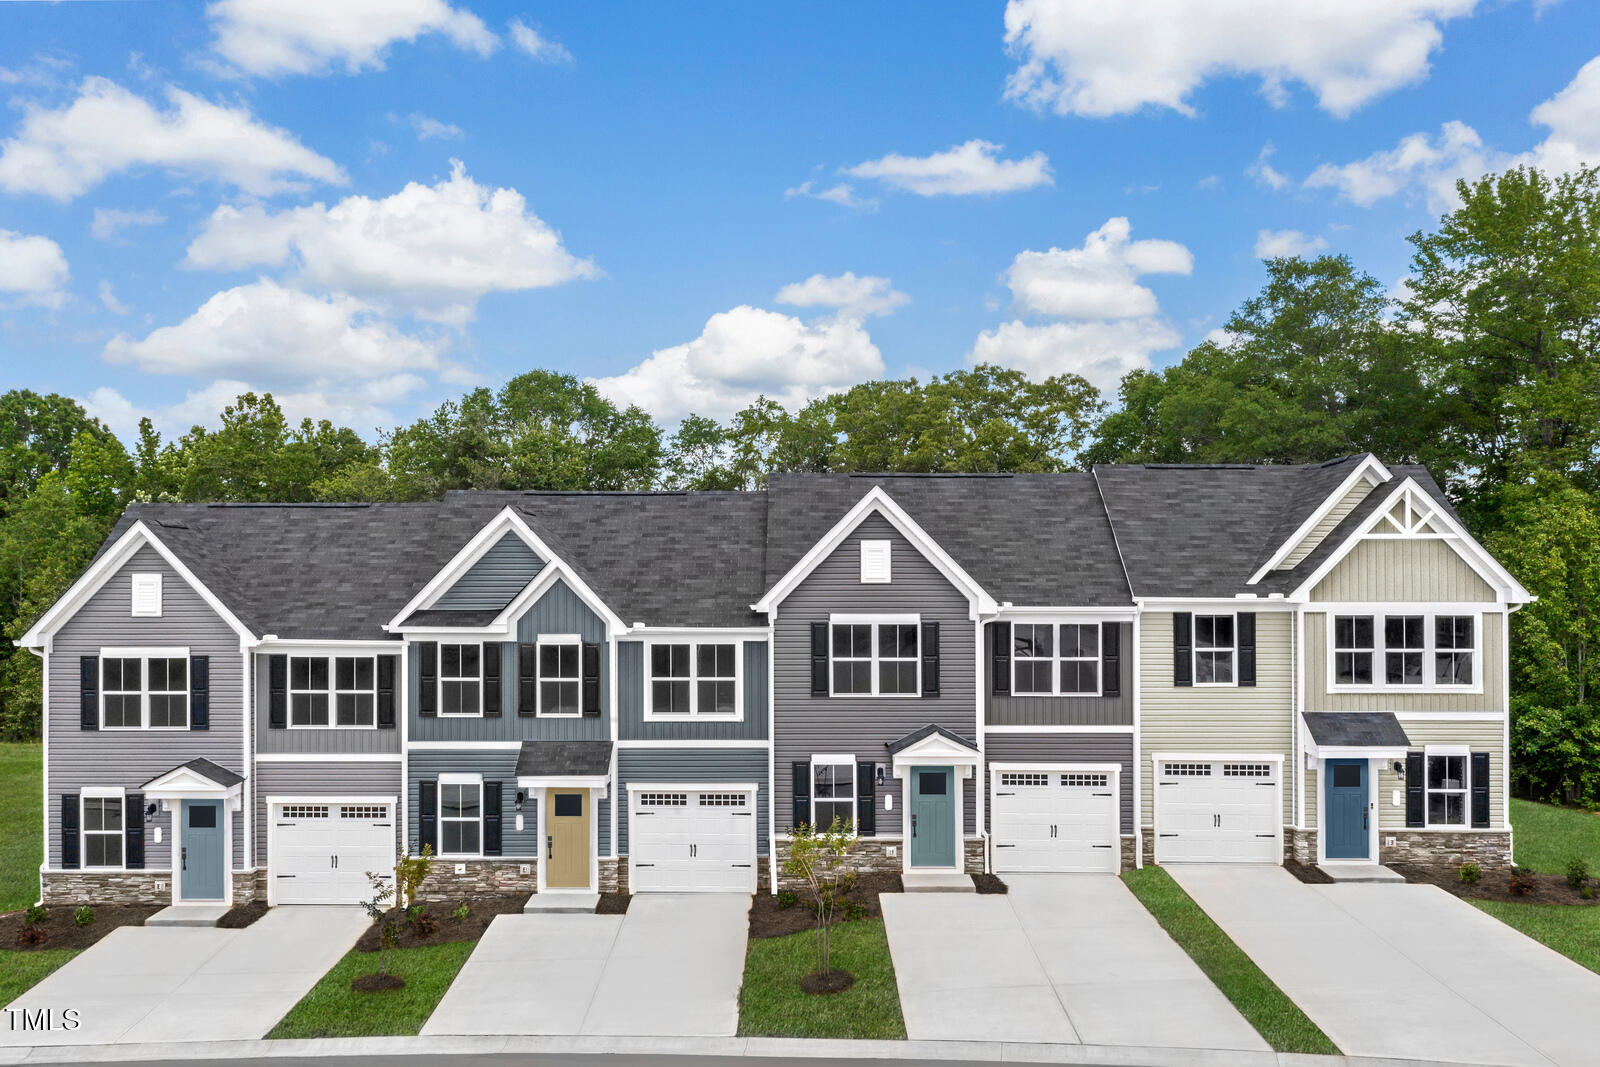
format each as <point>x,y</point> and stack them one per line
<point>108,222</point>
<point>853,297</point>
<point>64,152</point>
<point>542,48</point>
<point>275,37</point>
<point>434,250</point>
<point>431,129</point>
<point>1098,280</point>
<point>1102,352</point>
<point>1089,57</point>
<point>746,353</point>
<point>843,194</point>
<point>1277,244</point>
<point>33,269</point>
<point>364,407</point>
<point>1265,172</point>
<point>108,298</point>
<point>973,167</point>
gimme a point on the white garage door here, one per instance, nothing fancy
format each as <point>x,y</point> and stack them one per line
<point>1052,820</point>
<point>692,841</point>
<point>1222,811</point>
<point>322,851</point>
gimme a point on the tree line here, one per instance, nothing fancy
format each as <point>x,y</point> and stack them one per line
<point>1483,365</point>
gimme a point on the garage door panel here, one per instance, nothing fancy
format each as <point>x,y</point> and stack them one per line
<point>693,841</point>
<point>1217,811</point>
<point>321,853</point>
<point>1049,820</point>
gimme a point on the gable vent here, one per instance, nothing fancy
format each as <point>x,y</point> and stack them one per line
<point>875,562</point>
<point>147,595</point>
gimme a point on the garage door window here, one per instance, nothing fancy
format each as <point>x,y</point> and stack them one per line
<point>833,792</point>
<point>460,818</point>
<point>1186,770</point>
<point>1019,779</point>
<point>1091,781</point>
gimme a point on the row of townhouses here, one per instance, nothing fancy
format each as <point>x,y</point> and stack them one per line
<point>648,691</point>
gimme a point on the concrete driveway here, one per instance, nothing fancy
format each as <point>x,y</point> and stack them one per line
<point>671,966</point>
<point>1061,958</point>
<point>186,984</point>
<point>1407,971</point>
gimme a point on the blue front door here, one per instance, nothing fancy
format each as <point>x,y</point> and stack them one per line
<point>202,859</point>
<point>1346,800</point>
<point>933,817</point>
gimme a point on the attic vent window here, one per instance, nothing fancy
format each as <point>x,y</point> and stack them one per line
<point>875,562</point>
<point>147,595</point>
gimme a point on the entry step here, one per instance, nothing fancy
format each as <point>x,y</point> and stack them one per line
<point>188,915</point>
<point>937,882</point>
<point>1360,872</point>
<point>561,903</point>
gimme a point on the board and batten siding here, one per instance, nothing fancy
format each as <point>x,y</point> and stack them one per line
<point>1478,735</point>
<point>558,611</point>
<point>631,724</point>
<point>129,758</point>
<point>495,579</point>
<point>495,765</point>
<point>1423,569</point>
<point>1068,748</point>
<point>1491,630</point>
<point>1326,525</point>
<point>1012,710</point>
<point>322,778</point>
<point>804,725</point>
<point>1221,719</point>
<point>334,740</point>
<point>690,766</point>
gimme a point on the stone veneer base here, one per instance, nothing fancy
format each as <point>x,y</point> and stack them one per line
<point>135,887</point>
<point>1424,848</point>
<point>869,856</point>
<point>487,876</point>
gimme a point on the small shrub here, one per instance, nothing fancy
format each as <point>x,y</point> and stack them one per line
<point>460,912</point>
<point>1469,873</point>
<point>1577,873</point>
<point>409,873</point>
<point>36,913</point>
<point>1521,882</point>
<point>853,910</point>
<point>32,935</point>
<point>83,916</point>
<point>787,900</point>
<point>1587,892</point>
<point>422,924</point>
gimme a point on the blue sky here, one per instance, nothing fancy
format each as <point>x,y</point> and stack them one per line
<point>694,204</point>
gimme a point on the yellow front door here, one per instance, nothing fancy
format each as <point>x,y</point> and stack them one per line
<point>566,827</point>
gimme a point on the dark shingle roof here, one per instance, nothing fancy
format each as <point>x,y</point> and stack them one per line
<point>927,731</point>
<point>216,772</point>
<point>452,617</point>
<point>1356,729</point>
<point>560,759</point>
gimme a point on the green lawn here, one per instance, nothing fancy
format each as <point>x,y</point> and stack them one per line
<point>1546,836</point>
<point>333,1009</point>
<point>21,971</point>
<point>1574,932</point>
<point>1276,1018</point>
<point>21,798</point>
<point>771,1003</point>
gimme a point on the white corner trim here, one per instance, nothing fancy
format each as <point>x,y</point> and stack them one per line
<point>1370,468</point>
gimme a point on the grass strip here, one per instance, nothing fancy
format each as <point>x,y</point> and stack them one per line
<point>1572,931</point>
<point>771,1003</point>
<point>22,845</point>
<point>1546,836</point>
<point>21,971</point>
<point>333,1009</point>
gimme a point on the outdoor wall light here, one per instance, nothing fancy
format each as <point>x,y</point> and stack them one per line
<point>522,797</point>
<point>150,810</point>
<point>1400,768</point>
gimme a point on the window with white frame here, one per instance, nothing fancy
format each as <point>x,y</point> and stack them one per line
<point>326,691</point>
<point>833,791</point>
<point>1080,658</point>
<point>1213,649</point>
<point>1447,789</point>
<point>876,657</point>
<point>308,691</point>
<point>1454,641</point>
<point>169,692</point>
<point>144,689</point>
<point>355,690</point>
<point>121,692</point>
<point>560,674</point>
<point>460,679</point>
<point>1033,658</point>
<point>102,829</point>
<point>1353,638</point>
<point>460,816</point>
<point>1404,651</point>
<point>1051,658</point>
<point>688,679</point>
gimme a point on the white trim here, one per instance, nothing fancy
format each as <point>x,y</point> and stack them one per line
<point>1059,729</point>
<point>1056,659</point>
<point>599,783</point>
<point>1065,613</point>
<point>1374,814</point>
<point>462,746</point>
<point>329,757</point>
<point>835,759</point>
<point>772,761</point>
<point>440,781</point>
<point>144,651</point>
<point>1430,615</point>
<point>144,656</point>
<point>874,657</point>
<point>227,804</point>
<point>329,798</point>
<point>44,828</point>
<point>876,561</point>
<point>1013,766</point>
<point>439,680</point>
<point>1138,798</point>
<point>936,750</point>
<point>557,641</point>
<point>752,789</point>
<point>1453,716</point>
<point>146,585</point>
<point>958,823</point>
<point>1463,753</point>
<point>1232,648</point>
<point>693,678</point>
<point>540,840</point>
<point>1158,758</point>
<point>1369,469</point>
<point>308,646</point>
<point>699,787</point>
<point>1217,605</point>
<point>879,501</point>
<point>1217,757</point>
<point>698,633</point>
<point>332,692</point>
<point>118,794</point>
<point>680,743</point>
<point>1112,770</point>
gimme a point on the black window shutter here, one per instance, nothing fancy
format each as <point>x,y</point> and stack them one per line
<point>1480,789</point>
<point>527,679</point>
<point>930,660</point>
<point>1416,772</point>
<point>1110,659</point>
<point>867,798</point>
<point>199,692</point>
<point>591,679</point>
<point>428,685</point>
<point>1000,665</point>
<point>1182,648</point>
<point>89,692</point>
<point>491,818</point>
<point>69,831</point>
<point>489,662</point>
<point>802,793</point>
<point>819,659</point>
<point>386,669</point>
<point>277,692</point>
<point>133,831</point>
<point>1245,632</point>
<point>427,815</point>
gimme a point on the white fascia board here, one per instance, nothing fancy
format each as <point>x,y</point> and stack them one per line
<point>1073,613</point>
<point>935,749</point>
<point>1220,605</point>
<point>305,646</point>
<point>879,501</point>
<point>698,633</point>
<point>1370,468</point>
<point>137,536</point>
<point>555,570</point>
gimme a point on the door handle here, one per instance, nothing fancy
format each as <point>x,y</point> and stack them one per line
<point>184,858</point>
<point>550,847</point>
<point>1363,818</point>
<point>913,826</point>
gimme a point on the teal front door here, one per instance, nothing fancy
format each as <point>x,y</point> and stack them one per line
<point>1346,801</point>
<point>933,817</point>
<point>202,860</point>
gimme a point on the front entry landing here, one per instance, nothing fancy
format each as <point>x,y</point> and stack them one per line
<point>568,827</point>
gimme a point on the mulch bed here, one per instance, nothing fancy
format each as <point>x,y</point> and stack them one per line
<point>241,915</point>
<point>376,983</point>
<point>769,920</point>
<point>613,904</point>
<point>835,981</point>
<point>62,932</point>
<point>989,883</point>
<point>1307,873</point>
<point>1547,888</point>
<point>482,912</point>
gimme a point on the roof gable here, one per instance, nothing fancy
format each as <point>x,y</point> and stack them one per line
<point>1330,509</point>
<point>495,578</point>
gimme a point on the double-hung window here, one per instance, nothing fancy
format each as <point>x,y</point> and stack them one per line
<point>1403,649</point>
<point>560,674</point>
<point>1447,789</point>
<point>461,679</point>
<point>833,791</point>
<point>144,688</point>
<point>1033,658</point>
<point>102,829</point>
<point>1353,637</point>
<point>308,691</point>
<point>460,815</point>
<point>122,692</point>
<point>327,691</point>
<point>1213,649</point>
<point>1080,658</point>
<point>1051,658</point>
<point>875,656</point>
<point>1416,651</point>
<point>693,680</point>
<point>1454,640</point>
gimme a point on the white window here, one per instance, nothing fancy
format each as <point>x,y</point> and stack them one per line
<point>102,829</point>
<point>833,791</point>
<point>560,674</point>
<point>1049,659</point>
<point>147,595</point>
<point>876,656</point>
<point>875,562</point>
<point>1213,649</point>
<point>693,680</point>
<point>1447,789</point>
<point>1454,640</point>
<point>144,689</point>
<point>1353,637</point>
<point>1080,658</point>
<point>169,693</point>
<point>355,690</point>
<point>1404,651</point>
<point>1033,658</point>
<point>461,679</point>
<point>460,816</point>
<point>308,691</point>
<point>328,691</point>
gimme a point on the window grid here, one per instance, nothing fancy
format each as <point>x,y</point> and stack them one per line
<point>1454,640</point>
<point>1186,770</point>
<point>875,658</point>
<point>1213,649</point>
<point>694,679</point>
<point>1405,646</point>
<point>1032,658</point>
<point>122,692</point>
<point>1447,788</point>
<point>363,811</point>
<point>329,691</point>
<point>102,831</point>
<point>723,800</point>
<point>305,811</point>
<point>1097,781</point>
<point>1018,778</point>
<point>560,678</point>
<point>148,692</point>
<point>460,818</point>
<point>1247,770</point>
<point>663,800</point>
<point>1403,649</point>
<point>460,679</point>
<point>833,793</point>
<point>1354,637</point>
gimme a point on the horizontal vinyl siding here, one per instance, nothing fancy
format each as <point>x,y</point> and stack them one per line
<point>1061,711</point>
<point>321,779</point>
<point>498,766</point>
<point>498,576</point>
<point>1425,569</point>
<point>1322,529</point>
<point>630,701</point>
<point>693,765</point>
<point>129,758</point>
<point>1492,661</point>
<point>1480,736</point>
<point>1069,748</point>
<point>1218,719</point>
<point>333,741</point>
<point>805,725</point>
